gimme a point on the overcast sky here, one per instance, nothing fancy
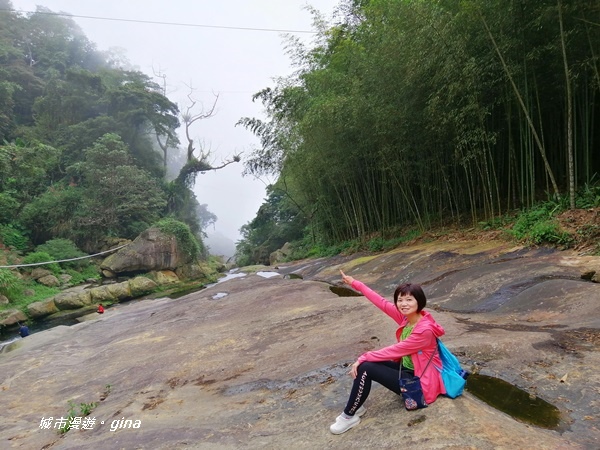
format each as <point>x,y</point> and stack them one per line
<point>235,63</point>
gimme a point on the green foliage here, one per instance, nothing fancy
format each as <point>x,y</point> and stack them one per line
<point>60,249</point>
<point>81,275</point>
<point>35,293</point>
<point>538,226</point>
<point>85,409</point>
<point>588,196</point>
<point>548,231</point>
<point>58,206</point>
<point>8,206</point>
<point>279,220</point>
<point>495,223</point>
<point>183,205</point>
<point>25,171</point>
<point>109,196</point>
<point>381,244</point>
<point>185,239</point>
<point>8,283</point>
<point>42,257</point>
<point>14,237</point>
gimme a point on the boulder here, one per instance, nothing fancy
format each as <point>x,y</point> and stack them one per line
<point>108,274</point>
<point>4,300</point>
<point>42,309</point>
<point>165,277</point>
<point>141,285</point>
<point>38,272</point>
<point>120,291</point>
<point>261,255</point>
<point>49,280</point>
<point>194,272</point>
<point>73,300</point>
<point>280,255</point>
<point>101,294</point>
<point>151,250</point>
<point>11,316</point>
<point>65,278</point>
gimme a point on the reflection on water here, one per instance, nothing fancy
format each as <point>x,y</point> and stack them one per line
<point>293,276</point>
<point>343,291</point>
<point>514,401</point>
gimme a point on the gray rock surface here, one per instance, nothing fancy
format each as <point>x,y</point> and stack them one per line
<point>261,363</point>
<point>151,250</point>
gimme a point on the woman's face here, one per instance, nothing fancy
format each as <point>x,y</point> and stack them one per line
<point>407,305</point>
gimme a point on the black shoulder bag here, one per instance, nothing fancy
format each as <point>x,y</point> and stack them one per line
<point>411,390</point>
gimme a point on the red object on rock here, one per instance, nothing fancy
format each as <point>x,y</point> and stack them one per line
<point>100,309</point>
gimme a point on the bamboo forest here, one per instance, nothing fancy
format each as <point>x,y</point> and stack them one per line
<point>410,114</point>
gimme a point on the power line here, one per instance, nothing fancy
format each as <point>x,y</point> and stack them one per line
<point>62,260</point>
<point>152,22</point>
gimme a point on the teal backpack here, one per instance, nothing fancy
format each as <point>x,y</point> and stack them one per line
<point>453,375</point>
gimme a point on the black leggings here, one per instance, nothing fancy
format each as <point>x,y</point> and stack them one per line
<point>384,372</point>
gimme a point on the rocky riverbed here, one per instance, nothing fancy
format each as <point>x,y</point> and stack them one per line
<point>261,361</point>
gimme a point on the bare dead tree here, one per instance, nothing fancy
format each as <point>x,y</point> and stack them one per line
<point>189,118</point>
<point>199,164</point>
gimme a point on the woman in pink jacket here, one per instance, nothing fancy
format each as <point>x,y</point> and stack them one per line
<point>416,344</point>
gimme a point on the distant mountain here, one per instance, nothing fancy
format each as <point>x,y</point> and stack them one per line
<point>220,245</point>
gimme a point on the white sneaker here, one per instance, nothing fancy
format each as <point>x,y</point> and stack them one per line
<point>342,424</point>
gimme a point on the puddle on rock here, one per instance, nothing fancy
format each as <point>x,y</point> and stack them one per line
<point>342,291</point>
<point>293,276</point>
<point>219,295</point>
<point>513,401</point>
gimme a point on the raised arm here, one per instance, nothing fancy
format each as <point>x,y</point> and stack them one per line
<point>413,344</point>
<point>386,306</point>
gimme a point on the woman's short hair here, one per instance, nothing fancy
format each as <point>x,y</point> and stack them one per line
<point>411,289</point>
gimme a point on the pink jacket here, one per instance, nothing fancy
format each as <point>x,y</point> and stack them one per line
<point>419,345</point>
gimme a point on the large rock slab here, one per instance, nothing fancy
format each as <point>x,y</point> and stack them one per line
<point>151,250</point>
<point>261,363</point>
